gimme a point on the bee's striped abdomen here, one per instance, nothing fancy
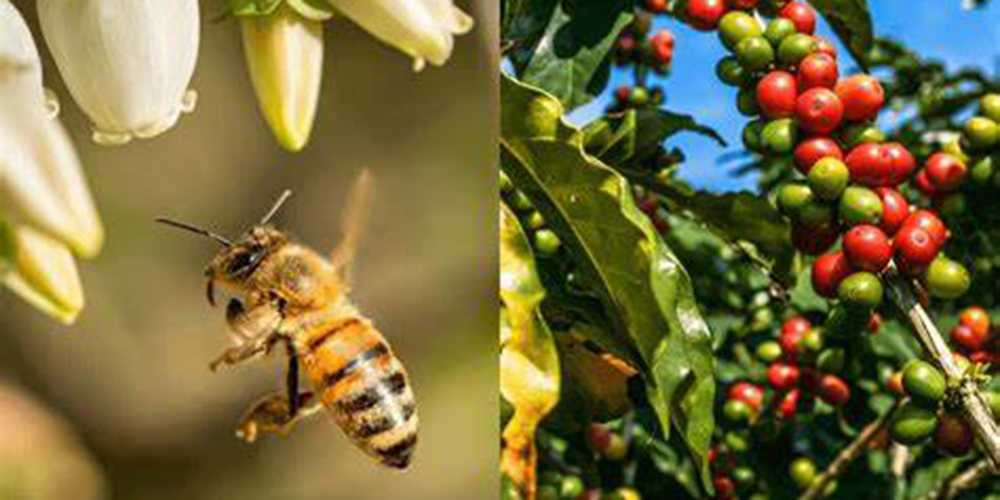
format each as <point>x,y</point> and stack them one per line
<point>356,375</point>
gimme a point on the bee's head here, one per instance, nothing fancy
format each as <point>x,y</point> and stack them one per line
<point>238,260</point>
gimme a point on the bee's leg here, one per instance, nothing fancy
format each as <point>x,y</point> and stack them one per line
<point>292,380</point>
<point>273,415</point>
<point>255,327</point>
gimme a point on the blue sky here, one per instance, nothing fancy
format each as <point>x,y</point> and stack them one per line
<point>938,29</point>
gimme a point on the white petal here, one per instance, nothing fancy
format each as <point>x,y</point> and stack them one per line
<point>18,53</point>
<point>41,182</point>
<point>128,64</point>
<point>284,53</point>
<point>424,29</point>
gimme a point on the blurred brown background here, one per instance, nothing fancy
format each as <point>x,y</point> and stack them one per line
<point>130,379</point>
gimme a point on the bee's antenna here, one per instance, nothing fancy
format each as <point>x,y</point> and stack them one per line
<point>277,206</point>
<point>196,230</point>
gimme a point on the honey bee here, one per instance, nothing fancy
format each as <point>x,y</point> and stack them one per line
<point>289,294</point>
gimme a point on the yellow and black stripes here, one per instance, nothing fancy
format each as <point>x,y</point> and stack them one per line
<point>358,378</point>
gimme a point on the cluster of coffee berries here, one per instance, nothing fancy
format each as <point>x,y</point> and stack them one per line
<point>543,239</point>
<point>801,368</point>
<point>970,158</point>
<point>925,415</point>
<point>974,338</point>
<point>635,46</point>
<point>730,479</point>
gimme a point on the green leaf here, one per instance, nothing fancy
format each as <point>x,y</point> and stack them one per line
<point>739,216</point>
<point>619,255</point>
<point>852,22</point>
<point>637,134</point>
<point>570,58</point>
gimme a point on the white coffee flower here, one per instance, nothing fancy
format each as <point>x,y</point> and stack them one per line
<point>128,64</point>
<point>284,53</point>
<point>423,29</point>
<point>41,271</point>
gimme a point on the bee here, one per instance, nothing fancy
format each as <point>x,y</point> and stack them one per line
<point>288,294</point>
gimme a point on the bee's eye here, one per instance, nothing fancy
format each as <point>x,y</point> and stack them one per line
<point>240,263</point>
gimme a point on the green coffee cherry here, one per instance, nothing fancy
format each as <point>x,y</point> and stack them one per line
<point>779,136</point>
<point>736,411</point>
<point>803,472</point>
<point>981,133</point>
<point>982,171</point>
<point>831,360</point>
<point>861,290</point>
<point>946,279</point>
<point>752,140</point>
<point>768,351</point>
<point>778,29</point>
<point>793,197</point>
<point>731,72</point>
<point>746,102</point>
<point>912,425</point>
<point>859,133</point>
<point>828,178</point>
<point>924,383</point>
<point>546,242</point>
<point>795,48</point>
<point>737,25</point>
<point>860,205</point>
<point>816,214</point>
<point>754,53</point>
<point>989,106</point>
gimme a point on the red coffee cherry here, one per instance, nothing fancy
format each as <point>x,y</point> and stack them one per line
<point>725,488</point>
<point>789,404</point>
<point>749,393</point>
<point>828,271</point>
<point>704,15</point>
<point>814,240</point>
<point>865,164</point>
<point>967,339</point>
<point>953,435</point>
<point>862,96</point>
<point>924,184</point>
<point>814,149</point>
<point>867,248</point>
<point>776,94</point>
<point>656,6</point>
<point>817,70</point>
<point>874,322</point>
<point>833,390</point>
<point>662,44</point>
<point>945,171</point>
<point>742,4</point>
<point>898,163</point>
<point>623,93</point>
<point>783,376</point>
<point>930,222</point>
<point>819,111</point>
<point>895,210</point>
<point>802,15</point>
<point>824,46</point>
<point>915,249</point>
<point>796,325</point>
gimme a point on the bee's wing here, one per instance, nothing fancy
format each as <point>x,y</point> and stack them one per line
<point>352,224</point>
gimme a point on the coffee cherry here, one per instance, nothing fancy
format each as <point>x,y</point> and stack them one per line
<point>860,205</point>
<point>796,325</point>
<point>982,133</point>
<point>817,70</point>
<point>811,150</point>
<point>895,384</point>
<point>779,136</point>
<point>754,53</point>
<point>776,94</point>
<point>861,290</point>
<point>793,197</point>
<point>598,438</point>
<point>828,271</point>
<point>833,390</point>
<point>824,46</point>
<point>662,44</point>
<point>982,171</point>
<point>874,323</point>
<point>736,411</point>
<point>571,487</point>
<point>819,111</point>
<point>748,393</point>
<point>802,15</point>
<point>977,319</point>
<point>862,96</point>
<point>752,139</point>
<point>546,242</point>
<point>725,489</point>
<point>735,26</point>
<point>828,178</point>
<point>946,279</point>
<point>742,4</point>
<point>895,209</point>
<point>783,376</point>
<point>867,248</point>
<point>777,30</point>
<point>816,213</point>
<point>623,93</point>
<point>803,472</point>
<point>788,406</point>
<point>953,435</point>
<point>704,15</point>
<point>814,240</point>
<point>746,102</point>
<point>897,162</point>
<point>731,72</point>
<point>989,106</point>
<point>966,339</point>
<point>930,222</point>
<point>923,383</point>
<point>946,171</point>
<point>831,360</point>
<point>876,165</point>
<point>855,134</point>
<point>914,249</point>
<point>912,425</point>
<point>639,96</point>
<point>625,493</point>
<point>794,48</point>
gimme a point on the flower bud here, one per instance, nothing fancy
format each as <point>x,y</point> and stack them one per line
<point>126,63</point>
<point>284,53</point>
<point>41,271</point>
<point>423,29</point>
